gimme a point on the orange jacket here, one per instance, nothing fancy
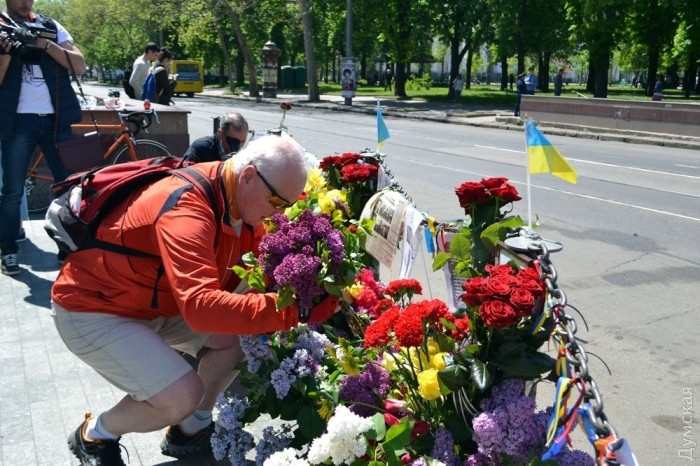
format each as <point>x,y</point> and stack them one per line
<point>197,252</point>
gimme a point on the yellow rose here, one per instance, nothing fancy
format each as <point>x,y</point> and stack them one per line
<point>428,385</point>
<point>437,361</point>
<point>433,347</point>
<point>315,181</point>
<point>354,290</point>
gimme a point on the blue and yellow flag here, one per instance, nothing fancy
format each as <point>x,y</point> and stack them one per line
<point>543,157</point>
<point>382,131</point>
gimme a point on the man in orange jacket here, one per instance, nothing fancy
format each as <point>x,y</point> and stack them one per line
<point>131,317</point>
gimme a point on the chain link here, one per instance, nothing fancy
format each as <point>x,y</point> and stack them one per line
<point>575,352</point>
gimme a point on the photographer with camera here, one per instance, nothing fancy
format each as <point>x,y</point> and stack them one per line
<point>38,106</point>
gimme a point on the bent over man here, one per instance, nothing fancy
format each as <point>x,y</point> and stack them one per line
<point>130,317</point>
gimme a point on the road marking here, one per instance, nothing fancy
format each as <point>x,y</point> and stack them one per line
<point>585,196</point>
<point>605,164</point>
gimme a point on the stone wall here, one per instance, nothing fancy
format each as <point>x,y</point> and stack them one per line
<point>667,117</point>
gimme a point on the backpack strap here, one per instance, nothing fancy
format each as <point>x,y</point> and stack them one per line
<point>195,178</point>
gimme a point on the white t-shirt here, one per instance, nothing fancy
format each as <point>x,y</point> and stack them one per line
<point>34,95</point>
<point>139,72</point>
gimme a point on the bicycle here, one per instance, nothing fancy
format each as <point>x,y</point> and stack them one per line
<point>125,148</point>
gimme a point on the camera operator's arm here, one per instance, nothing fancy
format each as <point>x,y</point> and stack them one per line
<point>56,51</point>
<point>5,46</point>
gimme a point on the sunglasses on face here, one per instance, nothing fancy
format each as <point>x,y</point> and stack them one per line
<point>234,144</point>
<point>277,201</point>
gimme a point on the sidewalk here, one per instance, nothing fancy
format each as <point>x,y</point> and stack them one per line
<point>45,390</point>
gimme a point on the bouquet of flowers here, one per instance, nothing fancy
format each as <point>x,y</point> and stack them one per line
<point>473,245</point>
<point>398,380</point>
<point>355,174</point>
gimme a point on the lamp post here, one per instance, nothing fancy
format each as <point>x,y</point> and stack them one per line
<point>348,53</point>
<point>270,53</point>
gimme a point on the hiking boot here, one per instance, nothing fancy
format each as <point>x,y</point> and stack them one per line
<point>10,265</point>
<point>94,452</point>
<point>179,444</point>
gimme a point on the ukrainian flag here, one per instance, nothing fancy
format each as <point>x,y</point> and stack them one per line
<point>382,130</point>
<point>543,157</point>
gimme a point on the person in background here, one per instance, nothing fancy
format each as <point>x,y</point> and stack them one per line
<point>558,82</point>
<point>165,82</point>
<point>141,67</point>
<point>458,85</point>
<point>130,324</point>
<point>37,107</point>
<point>521,88</point>
<point>658,88</point>
<point>531,81</point>
<point>228,139</point>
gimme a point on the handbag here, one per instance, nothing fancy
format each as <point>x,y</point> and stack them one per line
<point>83,151</point>
<point>80,153</point>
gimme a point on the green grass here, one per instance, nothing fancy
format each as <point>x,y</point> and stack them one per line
<point>490,95</point>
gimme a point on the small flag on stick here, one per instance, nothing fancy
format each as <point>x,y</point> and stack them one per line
<point>543,157</point>
<point>382,131</point>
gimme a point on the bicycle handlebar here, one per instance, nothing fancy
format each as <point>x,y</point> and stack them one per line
<point>140,119</point>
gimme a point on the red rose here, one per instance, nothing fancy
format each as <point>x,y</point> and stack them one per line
<point>499,187</point>
<point>500,285</point>
<point>499,269</point>
<point>497,313</point>
<point>471,193</point>
<point>523,301</point>
<point>420,428</point>
<point>474,291</point>
<point>406,458</point>
<point>327,162</point>
<point>535,287</point>
<point>347,158</point>
<point>286,106</point>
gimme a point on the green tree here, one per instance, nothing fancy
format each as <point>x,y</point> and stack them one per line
<point>598,25</point>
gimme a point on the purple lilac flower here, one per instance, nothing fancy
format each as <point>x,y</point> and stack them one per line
<point>272,441</point>
<point>369,387</point>
<point>300,271</point>
<point>478,459</point>
<point>574,458</point>
<point>419,462</point>
<point>256,350</point>
<point>229,439</point>
<point>303,362</point>
<point>288,256</point>
<point>510,426</point>
<point>444,449</point>
<point>315,343</point>
<point>283,377</point>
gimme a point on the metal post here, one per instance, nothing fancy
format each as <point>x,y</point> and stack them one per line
<point>348,40</point>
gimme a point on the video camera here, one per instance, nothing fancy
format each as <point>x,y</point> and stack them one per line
<point>23,35</point>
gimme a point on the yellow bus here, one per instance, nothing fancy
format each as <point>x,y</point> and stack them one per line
<point>190,77</point>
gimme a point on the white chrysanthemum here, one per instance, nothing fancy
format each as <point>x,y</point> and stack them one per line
<point>343,441</point>
<point>286,457</point>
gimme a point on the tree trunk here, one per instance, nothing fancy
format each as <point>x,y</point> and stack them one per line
<point>400,80</point>
<point>250,62</point>
<point>311,77</point>
<point>227,59</point>
<point>504,73</point>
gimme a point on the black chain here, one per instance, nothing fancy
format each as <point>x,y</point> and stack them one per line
<point>575,352</point>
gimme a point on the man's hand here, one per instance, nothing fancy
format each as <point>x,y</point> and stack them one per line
<point>324,310</point>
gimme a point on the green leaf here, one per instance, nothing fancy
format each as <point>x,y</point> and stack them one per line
<point>460,248</point>
<point>528,365</point>
<point>454,377</point>
<point>441,258</point>
<point>480,374</point>
<point>311,423</point>
<point>398,436</point>
<point>378,430</point>
<point>285,297</point>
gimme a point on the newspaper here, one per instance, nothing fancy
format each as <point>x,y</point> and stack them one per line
<point>386,208</point>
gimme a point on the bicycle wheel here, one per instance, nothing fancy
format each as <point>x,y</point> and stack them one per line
<point>37,186</point>
<point>144,148</point>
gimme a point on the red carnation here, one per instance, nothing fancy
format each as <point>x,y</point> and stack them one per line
<point>406,285</point>
<point>358,172</point>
